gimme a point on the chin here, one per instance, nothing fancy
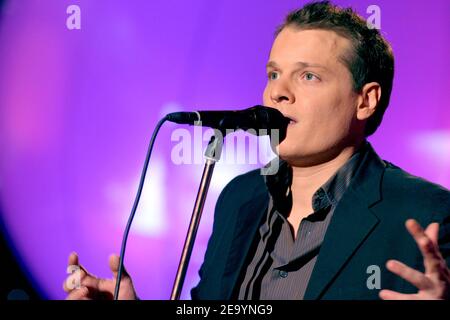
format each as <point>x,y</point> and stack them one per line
<point>291,152</point>
<point>302,154</point>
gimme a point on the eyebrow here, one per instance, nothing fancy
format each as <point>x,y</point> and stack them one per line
<point>302,64</point>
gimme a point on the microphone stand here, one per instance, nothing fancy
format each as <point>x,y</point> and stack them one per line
<point>212,155</point>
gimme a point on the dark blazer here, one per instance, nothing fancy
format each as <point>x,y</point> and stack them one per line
<point>367,229</point>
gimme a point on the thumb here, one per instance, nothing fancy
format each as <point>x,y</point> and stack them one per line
<point>114,262</point>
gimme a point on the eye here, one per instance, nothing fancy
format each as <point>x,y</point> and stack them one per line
<point>273,75</point>
<point>310,77</point>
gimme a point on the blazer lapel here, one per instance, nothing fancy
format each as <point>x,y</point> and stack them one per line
<point>247,224</point>
<point>351,223</point>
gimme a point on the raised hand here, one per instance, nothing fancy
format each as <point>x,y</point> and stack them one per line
<point>435,282</point>
<point>81,285</point>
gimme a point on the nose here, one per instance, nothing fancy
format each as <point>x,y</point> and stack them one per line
<point>280,93</point>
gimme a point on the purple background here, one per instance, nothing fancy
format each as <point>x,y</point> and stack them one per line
<point>77,108</point>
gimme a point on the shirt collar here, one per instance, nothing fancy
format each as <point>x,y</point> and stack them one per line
<point>329,194</point>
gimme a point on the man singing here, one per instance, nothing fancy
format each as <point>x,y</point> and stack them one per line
<point>336,221</point>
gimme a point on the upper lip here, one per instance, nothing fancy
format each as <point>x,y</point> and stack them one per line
<point>291,119</point>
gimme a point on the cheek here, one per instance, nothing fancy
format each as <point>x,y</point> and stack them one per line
<point>323,120</point>
<point>332,112</point>
<point>331,122</point>
<point>266,96</point>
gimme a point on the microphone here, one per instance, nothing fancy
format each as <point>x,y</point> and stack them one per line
<point>257,118</point>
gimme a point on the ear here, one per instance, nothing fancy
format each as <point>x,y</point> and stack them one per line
<point>368,101</point>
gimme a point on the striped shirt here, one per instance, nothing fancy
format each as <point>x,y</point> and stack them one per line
<point>280,266</point>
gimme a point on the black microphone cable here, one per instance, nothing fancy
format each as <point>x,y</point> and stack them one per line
<point>136,202</point>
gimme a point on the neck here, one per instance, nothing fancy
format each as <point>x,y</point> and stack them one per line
<point>306,180</point>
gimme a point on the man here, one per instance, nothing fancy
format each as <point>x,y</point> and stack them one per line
<point>327,225</point>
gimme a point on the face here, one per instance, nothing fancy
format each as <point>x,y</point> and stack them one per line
<point>308,83</point>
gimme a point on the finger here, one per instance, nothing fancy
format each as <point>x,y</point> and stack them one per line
<point>114,262</point>
<point>78,294</point>
<point>74,264</point>
<point>73,281</point>
<point>73,259</point>
<point>79,278</point>
<point>393,295</point>
<point>430,252</point>
<point>416,278</point>
<point>432,232</point>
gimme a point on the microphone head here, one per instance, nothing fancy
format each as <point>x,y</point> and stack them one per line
<point>269,118</point>
<point>257,120</point>
<point>261,119</point>
<point>183,117</point>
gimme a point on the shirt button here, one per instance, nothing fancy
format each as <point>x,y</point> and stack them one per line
<point>283,274</point>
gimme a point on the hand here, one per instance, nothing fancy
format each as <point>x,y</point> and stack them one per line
<point>435,282</point>
<point>81,285</point>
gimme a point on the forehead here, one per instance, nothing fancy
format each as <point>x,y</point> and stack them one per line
<point>314,46</point>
